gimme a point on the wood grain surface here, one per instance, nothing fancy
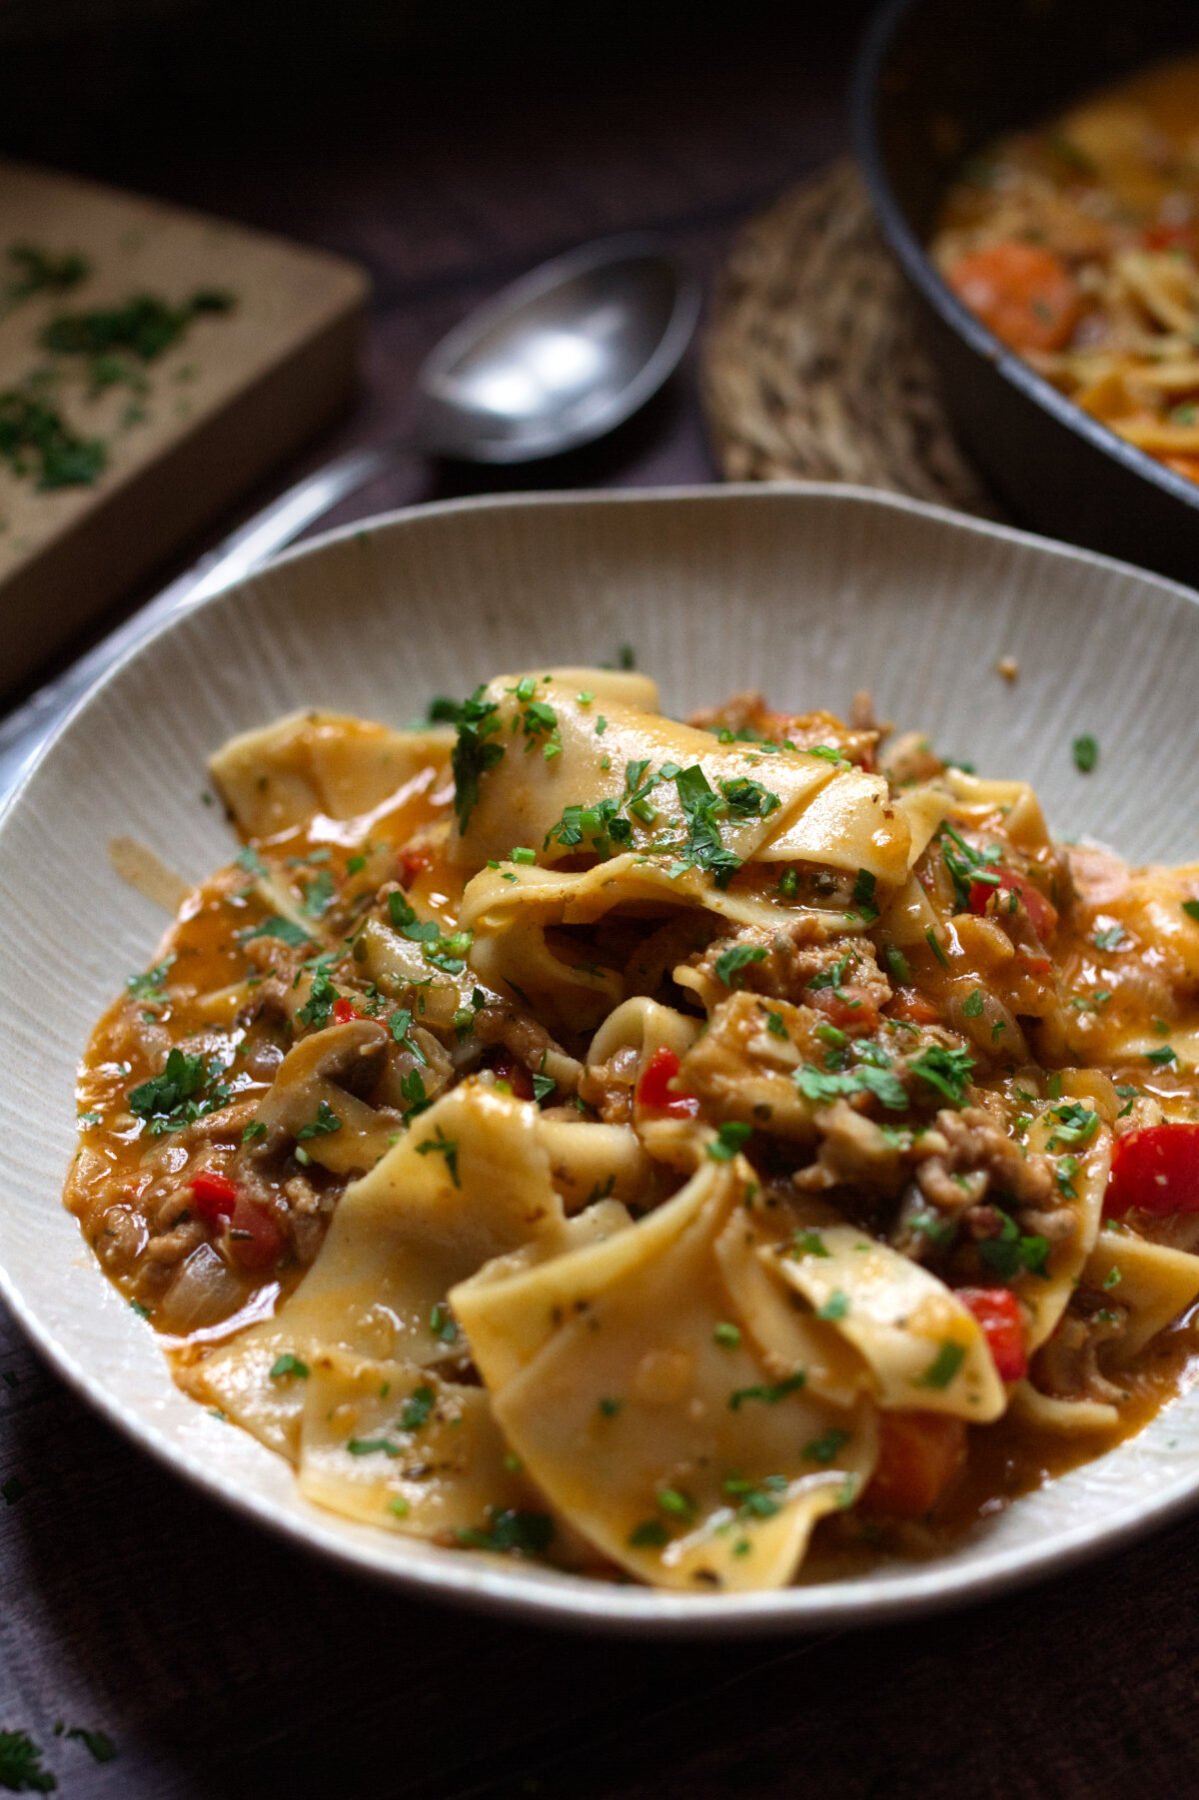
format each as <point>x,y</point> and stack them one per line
<point>220,1662</point>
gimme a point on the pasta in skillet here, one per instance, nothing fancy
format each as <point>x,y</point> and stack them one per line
<point>1078,245</point>
<point>574,1134</point>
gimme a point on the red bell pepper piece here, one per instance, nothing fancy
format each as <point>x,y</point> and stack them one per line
<point>1155,1170</point>
<point>1042,914</point>
<point>655,1092</point>
<point>998,1312</point>
<point>214,1196</point>
<point>255,1237</point>
<point>344,1010</point>
<point>919,1454</point>
<point>412,863</point>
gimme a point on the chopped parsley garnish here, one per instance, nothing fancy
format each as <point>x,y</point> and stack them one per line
<point>1086,753</point>
<point>477,720</point>
<point>399,1024</point>
<point>728,1336</point>
<point>21,1767</point>
<point>966,865</point>
<point>144,325</point>
<point>776,1025</point>
<point>730,963</point>
<point>1011,1254</point>
<point>98,1744</point>
<point>944,1366</point>
<point>1162,1058</point>
<point>325,1122</point>
<point>288,1364</point>
<point>186,1090</point>
<point>823,1085</point>
<point>149,986</point>
<point>511,1533</point>
<point>863,894</point>
<point>704,848</point>
<point>769,1393</point>
<point>40,271</point>
<point>729,1139</point>
<point>600,827</point>
<point>749,798</point>
<point>651,1534</point>
<point>441,1145</point>
<point>414,1415</point>
<point>935,1229</point>
<point>319,894</point>
<point>972,1005</point>
<point>948,1071</point>
<point>319,1004</point>
<point>36,440</point>
<point>678,1504</point>
<point>1074,1124</point>
<point>278,927</point>
<point>1115,937</point>
<point>253,1132</point>
<point>609,1408</point>
<point>835,1307</point>
<point>807,1243</point>
<point>823,1449</point>
<point>1191,909</point>
<point>412,1092</point>
<point>443,1324</point>
<point>897,963</point>
<point>543,1087</point>
<point>755,1500</point>
<point>1112,1279</point>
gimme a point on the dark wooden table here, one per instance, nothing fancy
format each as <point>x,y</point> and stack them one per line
<point>448,154</point>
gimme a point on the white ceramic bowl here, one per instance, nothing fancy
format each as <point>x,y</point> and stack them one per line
<point>808,592</point>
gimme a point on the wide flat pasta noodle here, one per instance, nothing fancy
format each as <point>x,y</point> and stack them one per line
<point>923,1347</point>
<point>393,1444</point>
<point>522,797</point>
<point>315,762</point>
<point>666,1447</point>
<point>1047,1297</point>
<point>511,910</point>
<point>402,1236</point>
<point>1153,1282</point>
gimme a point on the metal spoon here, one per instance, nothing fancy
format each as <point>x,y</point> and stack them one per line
<point>557,359</point>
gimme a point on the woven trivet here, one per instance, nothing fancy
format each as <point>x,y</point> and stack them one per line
<point>813,364</point>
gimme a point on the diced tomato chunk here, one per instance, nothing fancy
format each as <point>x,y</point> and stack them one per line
<point>849,1008</point>
<point>1024,292</point>
<point>412,863</point>
<point>913,1007</point>
<point>507,1067</point>
<point>1155,1170</point>
<point>919,1453</point>
<point>1042,914</point>
<point>998,1312</point>
<point>214,1196</point>
<point>255,1236</point>
<point>655,1092</point>
<point>344,1010</point>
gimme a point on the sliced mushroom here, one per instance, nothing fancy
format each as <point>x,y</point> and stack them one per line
<point>319,1100</point>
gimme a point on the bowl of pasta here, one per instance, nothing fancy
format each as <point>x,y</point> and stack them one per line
<point>1035,170</point>
<point>584,1101</point>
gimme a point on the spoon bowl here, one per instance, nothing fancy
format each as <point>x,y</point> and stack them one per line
<point>558,358</point>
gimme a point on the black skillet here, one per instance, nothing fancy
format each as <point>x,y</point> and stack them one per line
<point>935,79</point>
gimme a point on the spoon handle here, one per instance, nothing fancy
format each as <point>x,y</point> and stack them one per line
<point>280,522</point>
